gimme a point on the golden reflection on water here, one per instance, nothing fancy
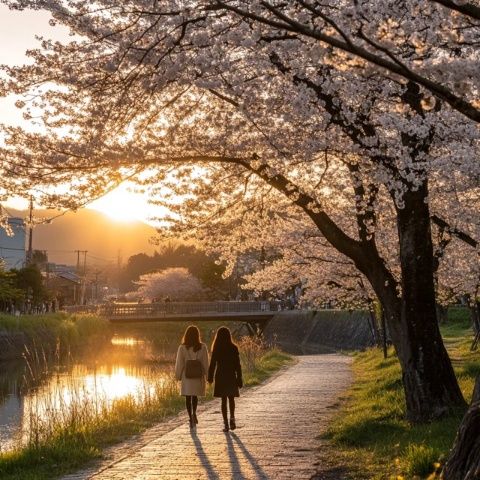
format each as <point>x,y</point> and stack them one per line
<point>105,384</point>
<point>87,387</point>
<point>126,341</point>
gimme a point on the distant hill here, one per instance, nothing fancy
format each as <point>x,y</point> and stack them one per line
<point>104,238</point>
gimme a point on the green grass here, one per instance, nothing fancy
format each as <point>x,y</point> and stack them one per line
<point>83,437</point>
<point>371,435</point>
<point>68,329</point>
<point>268,364</point>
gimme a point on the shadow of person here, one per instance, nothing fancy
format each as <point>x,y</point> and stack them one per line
<point>209,470</point>
<point>260,474</point>
<point>235,466</point>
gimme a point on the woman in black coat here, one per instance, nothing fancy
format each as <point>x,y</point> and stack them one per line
<point>225,364</point>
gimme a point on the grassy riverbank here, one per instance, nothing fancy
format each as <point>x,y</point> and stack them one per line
<point>370,434</point>
<point>48,331</point>
<point>69,439</point>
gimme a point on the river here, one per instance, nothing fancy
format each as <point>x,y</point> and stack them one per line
<point>131,362</point>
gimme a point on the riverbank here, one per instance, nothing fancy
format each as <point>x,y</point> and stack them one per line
<point>48,332</point>
<point>370,434</point>
<point>276,436</point>
<point>77,435</point>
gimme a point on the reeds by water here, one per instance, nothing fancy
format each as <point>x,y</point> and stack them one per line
<point>69,422</point>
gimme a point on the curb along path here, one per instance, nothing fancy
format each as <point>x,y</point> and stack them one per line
<point>278,425</point>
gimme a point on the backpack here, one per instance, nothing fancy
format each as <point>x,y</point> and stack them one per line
<point>193,368</point>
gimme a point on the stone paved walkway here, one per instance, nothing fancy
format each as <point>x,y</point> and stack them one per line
<point>277,435</point>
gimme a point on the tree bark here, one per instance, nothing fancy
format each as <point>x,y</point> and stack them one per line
<point>431,387</point>
<point>464,460</point>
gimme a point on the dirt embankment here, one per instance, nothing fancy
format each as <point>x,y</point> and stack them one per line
<point>320,331</point>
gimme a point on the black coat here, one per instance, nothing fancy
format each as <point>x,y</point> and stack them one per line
<point>225,364</point>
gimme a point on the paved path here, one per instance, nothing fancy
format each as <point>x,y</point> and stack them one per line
<point>277,435</point>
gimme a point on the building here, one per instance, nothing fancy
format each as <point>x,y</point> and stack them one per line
<point>12,244</point>
<point>64,284</point>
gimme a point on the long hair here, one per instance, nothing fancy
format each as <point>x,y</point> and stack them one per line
<point>191,338</point>
<point>223,340</point>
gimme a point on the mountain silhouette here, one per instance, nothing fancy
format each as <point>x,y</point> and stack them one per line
<point>106,240</point>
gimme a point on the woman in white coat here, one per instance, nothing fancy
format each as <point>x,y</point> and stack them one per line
<point>194,353</point>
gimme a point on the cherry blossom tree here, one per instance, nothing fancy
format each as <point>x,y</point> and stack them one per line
<point>263,96</point>
<point>175,283</point>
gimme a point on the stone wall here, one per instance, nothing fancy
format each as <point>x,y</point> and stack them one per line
<point>318,331</point>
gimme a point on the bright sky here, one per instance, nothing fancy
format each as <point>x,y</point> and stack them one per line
<point>17,34</point>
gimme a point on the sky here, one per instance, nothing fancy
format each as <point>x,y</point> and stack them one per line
<point>17,34</point>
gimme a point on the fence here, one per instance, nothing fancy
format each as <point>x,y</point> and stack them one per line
<point>173,308</point>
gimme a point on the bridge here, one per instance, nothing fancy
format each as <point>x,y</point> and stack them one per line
<point>255,315</point>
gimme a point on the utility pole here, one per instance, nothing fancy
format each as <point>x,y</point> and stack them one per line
<point>83,280</point>
<point>84,253</point>
<point>47,269</point>
<point>30,233</point>
<point>85,262</point>
<point>96,285</point>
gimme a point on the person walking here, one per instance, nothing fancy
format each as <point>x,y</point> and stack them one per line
<point>225,366</point>
<point>191,367</point>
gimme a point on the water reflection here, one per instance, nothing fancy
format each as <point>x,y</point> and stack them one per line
<point>128,365</point>
<point>126,341</point>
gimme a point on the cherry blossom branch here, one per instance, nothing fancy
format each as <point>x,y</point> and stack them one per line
<point>468,9</point>
<point>286,23</point>
<point>465,237</point>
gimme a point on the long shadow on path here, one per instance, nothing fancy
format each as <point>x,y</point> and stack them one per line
<point>260,474</point>
<point>210,471</point>
<point>236,469</point>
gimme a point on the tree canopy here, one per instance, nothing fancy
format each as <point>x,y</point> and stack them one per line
<point>176,284</point>
<point>358,119</point>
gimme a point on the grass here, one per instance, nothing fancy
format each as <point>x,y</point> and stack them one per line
<point>56,322</point>
<point>370,434</point>
<point>71,437</point>
<point>68,330</point>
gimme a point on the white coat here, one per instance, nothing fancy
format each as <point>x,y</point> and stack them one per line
<point>191,386</point>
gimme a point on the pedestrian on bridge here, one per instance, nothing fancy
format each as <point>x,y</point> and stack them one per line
<point>191,368</point>
<point>225,365</point>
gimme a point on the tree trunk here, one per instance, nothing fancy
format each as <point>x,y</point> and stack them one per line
<point>442,313</point>
<point>431,388</point>
<point>374,326</point>
<point>464,460</point>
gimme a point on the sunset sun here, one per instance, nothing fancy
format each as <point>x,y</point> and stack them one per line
<point>125,205</point>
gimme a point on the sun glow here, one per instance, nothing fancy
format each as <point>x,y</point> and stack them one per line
<point>125,205</point>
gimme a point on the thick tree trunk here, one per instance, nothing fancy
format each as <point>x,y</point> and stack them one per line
<point>430,384</point>
<point>431,387</point>
<point>464,460</point>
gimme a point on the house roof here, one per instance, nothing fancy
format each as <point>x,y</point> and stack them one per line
<point>71,277</point>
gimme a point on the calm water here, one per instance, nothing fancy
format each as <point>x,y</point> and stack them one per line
<point>130,363</point>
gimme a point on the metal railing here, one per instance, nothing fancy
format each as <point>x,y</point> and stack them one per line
<point>173,308</point>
